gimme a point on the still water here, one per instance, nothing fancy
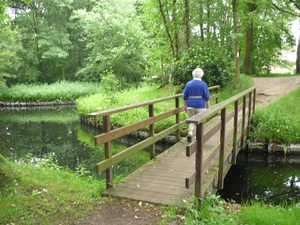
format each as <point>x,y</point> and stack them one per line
<point>272,179</point>
<point>57,135</point>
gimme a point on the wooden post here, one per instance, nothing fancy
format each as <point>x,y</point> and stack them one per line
<point>217,98</point>
<point>243,123</point>
<point>177,105</point>
<point>254,100</point>
<point>249,114</point>
<point>199,160</point>
<point>235,134</point>
<point>151,132</point>
<point>108,152</point>
<point>222,150</point>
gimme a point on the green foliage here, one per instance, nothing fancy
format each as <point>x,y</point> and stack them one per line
<point>100,102</point>
<point>79,40</point>
<point>258,213</point>
<point>279,120</point>
<point>47,194</point>
<point>7,174</point>
<point>215,62</point>
<point>9,45</point>
<point>114,40</point>
<point>109,83</point>
<point>59,91</point>
<point>267,41</point>
<point>209,210</point>
<point>45,49</point>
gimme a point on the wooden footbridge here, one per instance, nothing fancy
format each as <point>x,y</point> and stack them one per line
<point>186,170</point>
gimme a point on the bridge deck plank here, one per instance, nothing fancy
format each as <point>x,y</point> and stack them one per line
<point>162,180</point>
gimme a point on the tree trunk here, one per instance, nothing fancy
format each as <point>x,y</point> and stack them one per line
<point>187,24</point>
<point>176,31</point>
<point>164,17</point>
<point>298,56</point>
<point>236,44</point>
<point>208,20</point>
<point>247,69</point>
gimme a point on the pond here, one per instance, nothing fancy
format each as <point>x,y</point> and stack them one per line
<point>272,179</point>
<point>57,135</point>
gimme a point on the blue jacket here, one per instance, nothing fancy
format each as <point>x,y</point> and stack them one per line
<point>196,93</point>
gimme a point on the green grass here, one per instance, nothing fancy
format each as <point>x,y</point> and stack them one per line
<point>215,211</point>
<point>257,214</point>
<point>58,92</point>
<point>45,194</point>
<point>229,90</point>
<point>280,120</point>
<point>101,101</point>
<point>210,210</point>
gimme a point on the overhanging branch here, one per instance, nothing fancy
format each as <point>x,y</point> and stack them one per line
<point>285,11</point>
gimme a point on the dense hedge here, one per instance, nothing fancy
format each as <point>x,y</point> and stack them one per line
<point>216,63</point>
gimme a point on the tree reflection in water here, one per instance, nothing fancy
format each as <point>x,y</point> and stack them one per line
<point>273,179</point>
<point>56,134</point>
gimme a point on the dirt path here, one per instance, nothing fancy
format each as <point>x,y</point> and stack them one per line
<point>270,89</point>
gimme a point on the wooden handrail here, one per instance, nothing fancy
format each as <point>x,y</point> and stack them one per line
<point>216,96</point>
<point>244,108</point>
<point>111,134</point>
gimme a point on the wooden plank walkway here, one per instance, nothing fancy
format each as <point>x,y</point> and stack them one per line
<point>162,180</point>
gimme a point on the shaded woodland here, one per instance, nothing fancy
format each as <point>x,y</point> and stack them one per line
<point>131,41</point>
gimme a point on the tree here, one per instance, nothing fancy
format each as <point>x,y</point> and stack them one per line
<point>267,34</point>
<point>46,39</point>
<point>251,7</point>
<point>115,41</point>
<point>236,44</point>
<point>9,46</point>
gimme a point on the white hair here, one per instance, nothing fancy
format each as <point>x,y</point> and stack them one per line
<point>198,73</point>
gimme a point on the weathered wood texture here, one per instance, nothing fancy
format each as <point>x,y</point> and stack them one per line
<point>161,180</point>
<point>164,179</point>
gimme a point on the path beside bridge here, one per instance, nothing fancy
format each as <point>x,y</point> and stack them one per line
<point>270,89</point>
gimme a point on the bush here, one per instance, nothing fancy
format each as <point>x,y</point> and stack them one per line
<point>6,172</point>
<point>216,63</point>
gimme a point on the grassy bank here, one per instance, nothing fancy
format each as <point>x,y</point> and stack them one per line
<point>280,120</point>
<point>43,193</point>
<point>58,92</point>
<point>216,211</point>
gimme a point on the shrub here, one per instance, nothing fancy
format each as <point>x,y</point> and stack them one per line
<point>216,63</point>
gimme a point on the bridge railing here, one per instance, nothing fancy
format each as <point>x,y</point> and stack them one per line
<point>110,134</point>
<point>243,106</point>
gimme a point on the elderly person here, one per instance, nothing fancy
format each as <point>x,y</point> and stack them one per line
<point>196,98</point>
